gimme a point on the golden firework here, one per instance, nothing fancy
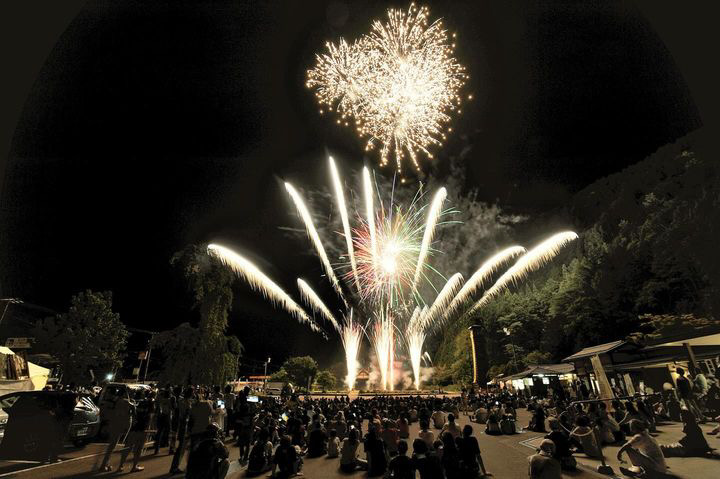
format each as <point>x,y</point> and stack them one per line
<point>397,84</point>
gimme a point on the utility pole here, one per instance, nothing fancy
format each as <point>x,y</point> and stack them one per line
<point>265,375</point>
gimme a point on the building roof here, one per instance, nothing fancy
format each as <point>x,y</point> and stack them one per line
<point>593,350</point>
<point>545,369</point>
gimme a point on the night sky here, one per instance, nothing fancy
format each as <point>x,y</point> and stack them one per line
<point>156,124</point>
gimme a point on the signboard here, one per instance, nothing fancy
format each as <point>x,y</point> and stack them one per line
<point>606,391</point>
<point>19,343</point>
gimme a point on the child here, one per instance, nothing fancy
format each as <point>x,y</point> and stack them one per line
<point>333,447</point>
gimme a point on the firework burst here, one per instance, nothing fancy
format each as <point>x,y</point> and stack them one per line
<point>397,84</point>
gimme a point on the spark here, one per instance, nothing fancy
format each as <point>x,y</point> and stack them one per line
<point>340,196</point>
<point>258,281</point>
<point>313,234</point>
<point>433,216</point>
<point>351,336</point>
<point>529,262</point>
<point>398,83</point>
<point>483,274</point>
<point>313,300</point>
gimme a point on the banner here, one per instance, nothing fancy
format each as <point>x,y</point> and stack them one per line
<point>602,380</point>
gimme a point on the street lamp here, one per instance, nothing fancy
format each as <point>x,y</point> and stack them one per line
<point>265,376</point>
<point>8,302</point>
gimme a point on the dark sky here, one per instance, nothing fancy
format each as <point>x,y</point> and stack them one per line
<point>156,124</point>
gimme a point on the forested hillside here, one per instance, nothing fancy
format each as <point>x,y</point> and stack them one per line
<point>641,253</point>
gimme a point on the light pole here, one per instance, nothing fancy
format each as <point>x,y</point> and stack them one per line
<point>512,346</point>
<point>265,375</point>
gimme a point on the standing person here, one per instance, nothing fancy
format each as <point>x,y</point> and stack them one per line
<point>471,461</point>
<point>685,392</point>
<point>184,408</point>
<point>163,411</point>
<point>643,451</point>
<point>119,414</point>
<point>138,431</point>
<point>229,399</point>
<point>174,417</point>
<point>543,465</point>
<point>201,414</point>
<point>244,427</point>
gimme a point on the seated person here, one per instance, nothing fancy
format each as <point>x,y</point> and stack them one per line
<point>543,465</point>
<point>349,460</point>
<point>400,466</point>
<point>317,441</point>
<point>644,452</point>
<point>286,461</point>
<point>507,424</point>
<point>562,445</point>
<point>492,427</point>
<point>208,456</point>
<point>438,418</point>
<point>693,443</point>
<point>481,415</point>
<point>584,436</point>
<point>261,455</point>
<point>333,445</point>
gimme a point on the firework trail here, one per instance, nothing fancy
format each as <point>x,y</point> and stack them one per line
<point>444,298</point>
<point>398,83</point>
<point>370,212</point>
<point>258,281</point>
<point>312,233</point>
<point>415,339</point>
<point>483,274</point>
<point>433,216</point>
<point>313,300</point>
<point>382,339</point>
<point>529,262</point>
<point>351,335</point>
<point>340,196</point>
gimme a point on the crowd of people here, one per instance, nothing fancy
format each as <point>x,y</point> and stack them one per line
<point>275,434</point>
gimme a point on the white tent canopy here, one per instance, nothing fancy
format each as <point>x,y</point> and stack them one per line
<point>37,379</point>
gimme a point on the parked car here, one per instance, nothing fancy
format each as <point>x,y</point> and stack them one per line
<point>84,425</point>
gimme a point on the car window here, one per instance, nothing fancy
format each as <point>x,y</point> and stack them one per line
<point>8,401</point>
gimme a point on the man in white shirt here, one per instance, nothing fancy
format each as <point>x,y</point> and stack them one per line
<point>643,451</point>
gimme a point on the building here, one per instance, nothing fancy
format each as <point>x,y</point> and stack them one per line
<point>643,368</point>
<point>538,379</point>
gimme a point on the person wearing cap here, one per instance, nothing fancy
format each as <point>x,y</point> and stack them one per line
<point>543,465</point>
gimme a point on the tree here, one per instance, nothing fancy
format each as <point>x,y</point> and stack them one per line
<point>280,376</point>
<point>301,370</point>
<point>87,340</point>
<point>215,355</point>
<point>326,380</point>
